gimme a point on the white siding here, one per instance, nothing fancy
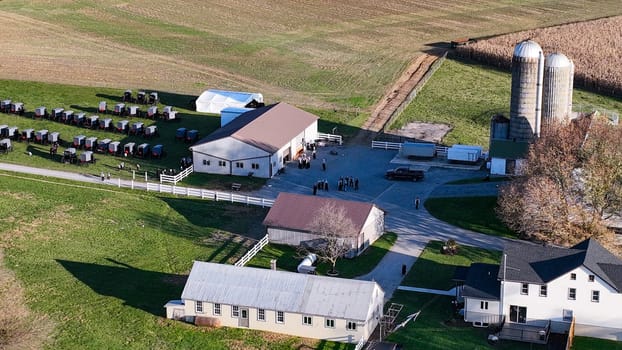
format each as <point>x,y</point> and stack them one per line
<point>551,307</point>
<point>497,166</point>
<point>473,311</point>
<point>373,227</point>
<point>293,238</point>
<point>292,325</point>
<point>207,158</point>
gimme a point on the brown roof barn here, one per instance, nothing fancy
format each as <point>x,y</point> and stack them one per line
<point>289,218</point>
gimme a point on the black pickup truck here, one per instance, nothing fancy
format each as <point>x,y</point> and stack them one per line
<point>404,173</point>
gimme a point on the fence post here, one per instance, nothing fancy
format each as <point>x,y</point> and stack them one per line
<point>202,194</point>
<point>119,182</point>
<point>132,183</point>
<point>146,179</point>
<point>173,192</point>
<point>133,175</point>
<point>160,188</point>
<point>187,191</point>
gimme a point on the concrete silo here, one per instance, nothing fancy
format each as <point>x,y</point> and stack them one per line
<point>526,94</point>
<point>557,92</point>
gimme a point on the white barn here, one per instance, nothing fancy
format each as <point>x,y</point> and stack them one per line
<point>302,305</point>
<point>542,289</point>
<point>288,220</point>
<point>213,101</point>
<point>257,142</point>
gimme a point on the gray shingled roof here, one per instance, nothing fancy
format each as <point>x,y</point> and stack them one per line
<point>281,291</point>
<point>481,282</point>
<point>542,264</point>
<point>268,128</point>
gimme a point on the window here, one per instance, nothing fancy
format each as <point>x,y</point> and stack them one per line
<point>261,314</point>
<point>595,296</point>
<point>222,163</point>
<point>572,293</point>
<point>524,289</point>
<point>255,165</point>
<point>239,165</point>
<point>351,326</point>
<point>206,162</point>
<point>483,305</point>
<point>330,323</point>
<point>307,320</point>
<point>280,317</point>
<point>217,309</point>
<point>573,276</point>
<point>235,311</point>
<point>199,306</point>
<point>543,291</point>
<point>590,278</point>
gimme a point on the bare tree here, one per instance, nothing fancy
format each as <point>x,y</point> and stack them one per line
<point>571,182</point>
<point>337,231</point>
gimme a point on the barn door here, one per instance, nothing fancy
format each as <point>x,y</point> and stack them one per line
<point>243,320</point>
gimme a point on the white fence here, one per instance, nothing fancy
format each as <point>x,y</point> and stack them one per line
<point>251,253</point>
<point>330,137</point>
<point>441,151</point>
<point>209,194</point>
<point>360,344</point>
<point>386,145</point>
<point>176,178</point>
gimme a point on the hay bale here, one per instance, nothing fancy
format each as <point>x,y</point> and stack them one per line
<point>211,322</point>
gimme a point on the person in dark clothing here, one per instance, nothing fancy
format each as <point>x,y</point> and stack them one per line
<point>356,184</point>
<point>314,189</point>
<point>416,202</point>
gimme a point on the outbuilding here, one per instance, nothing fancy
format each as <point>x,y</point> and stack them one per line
<point>303,305</point>
<point>289,218</point>
<point>213,101</point>
<point>257,142</point>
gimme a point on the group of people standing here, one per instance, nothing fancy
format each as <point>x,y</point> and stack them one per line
<point>321,185</point>
<point>348,182</point>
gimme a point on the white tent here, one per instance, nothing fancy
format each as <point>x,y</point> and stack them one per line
<point>213,101</point>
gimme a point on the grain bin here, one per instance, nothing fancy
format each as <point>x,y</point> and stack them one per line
<point>557,91</point>
<point>526,94</point>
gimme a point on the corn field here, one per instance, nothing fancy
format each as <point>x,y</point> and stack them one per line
<point>595,47</point>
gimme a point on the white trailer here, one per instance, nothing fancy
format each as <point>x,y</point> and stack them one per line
<point>418,150</point>
<point>464,153</point>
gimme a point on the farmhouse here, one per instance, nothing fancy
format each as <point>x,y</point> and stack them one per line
<point>257,142</point>
<point>303,305</point>
<point>214,101</point>
<point>288,220</point>
<point>541,289</point>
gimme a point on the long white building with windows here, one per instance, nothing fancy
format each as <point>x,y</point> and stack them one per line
<point>297,304</point>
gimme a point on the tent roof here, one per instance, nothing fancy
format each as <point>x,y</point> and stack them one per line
<point>213,101</point>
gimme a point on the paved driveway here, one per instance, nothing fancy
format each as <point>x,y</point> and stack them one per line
<point>415,227</point>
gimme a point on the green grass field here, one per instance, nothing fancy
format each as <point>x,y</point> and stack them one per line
<point>466,95</point>
<point>287,258</point>
<point>100,263</point>
<point>472,213</point>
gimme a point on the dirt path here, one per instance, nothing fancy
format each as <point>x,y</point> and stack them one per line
<point>396,95</point>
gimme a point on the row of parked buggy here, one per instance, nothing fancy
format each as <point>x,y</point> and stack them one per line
<point>30,135</point>
<point>107,146</point>
<point>70,117</point>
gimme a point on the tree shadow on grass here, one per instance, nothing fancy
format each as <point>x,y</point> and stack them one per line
<point>141,289</point>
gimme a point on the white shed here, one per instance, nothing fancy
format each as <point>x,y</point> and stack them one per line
<point>213,101</point>
<point>258,142</point>
<point>303,305</point>
<point>289,218</point>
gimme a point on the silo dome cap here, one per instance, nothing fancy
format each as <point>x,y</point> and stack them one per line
<point>557,60</point>
<point>527,49</point>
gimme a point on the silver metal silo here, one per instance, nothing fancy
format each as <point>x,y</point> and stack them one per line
<point>526,94</point>
<point>557,94</point>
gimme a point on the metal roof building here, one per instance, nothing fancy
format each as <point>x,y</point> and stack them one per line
<point>279,301</point>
